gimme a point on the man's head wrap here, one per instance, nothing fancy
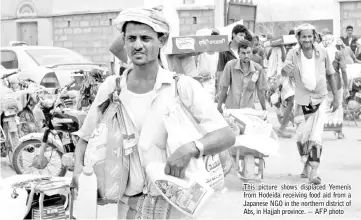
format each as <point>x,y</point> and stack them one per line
<point>304,27</point>
<point>325,31</point>
<point>339,42</point>
<point>328,39</point>
<point>150,17</point>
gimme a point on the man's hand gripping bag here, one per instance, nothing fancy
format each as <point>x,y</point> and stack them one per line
<point>105,152</point>
<point>182,128</point>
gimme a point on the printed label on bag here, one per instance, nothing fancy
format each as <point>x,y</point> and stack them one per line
<point>213,166</point>
<point>187,199</point>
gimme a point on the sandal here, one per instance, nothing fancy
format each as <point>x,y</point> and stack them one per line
<point>305,171</point>
<point>340,136</point>
<point>315,180</point>
<point>304,175</point>
<point>281,133</point>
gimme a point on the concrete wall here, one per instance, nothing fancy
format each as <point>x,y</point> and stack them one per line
<point>88,34</point>
<point>294,10</point>
<point>9,7</point>
<point>10,32</point>
<point>10,18</point>
<point>68,6</point>
<point>193,18</point>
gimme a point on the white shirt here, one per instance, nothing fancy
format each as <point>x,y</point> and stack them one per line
<point>275,63</point>
<point>349,41</point>
<point>153,136</point>
<point>308,71</point>
<point>138,105</point>
<point>235,53</point>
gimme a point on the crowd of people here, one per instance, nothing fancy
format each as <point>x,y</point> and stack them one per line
<point>311,70</point>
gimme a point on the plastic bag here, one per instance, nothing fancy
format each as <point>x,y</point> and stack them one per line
<point>188,195</point>
<point>105,153</point>
<point>183,128</point>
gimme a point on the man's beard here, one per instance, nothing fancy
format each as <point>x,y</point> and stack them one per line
<point>246,60</point>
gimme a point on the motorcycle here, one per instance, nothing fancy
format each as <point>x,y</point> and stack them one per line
<point>89,82</point>
<point>48,152</point>
<point>16,116</point>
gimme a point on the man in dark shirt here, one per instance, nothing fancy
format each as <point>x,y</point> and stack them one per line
<point>239,32</point>
<point>242,80</point>
<point>350,40</point>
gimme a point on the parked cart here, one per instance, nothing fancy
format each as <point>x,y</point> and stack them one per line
<point>256,141</point>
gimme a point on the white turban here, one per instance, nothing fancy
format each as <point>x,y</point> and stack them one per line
<point>151,17</point>
<point>303,27</point>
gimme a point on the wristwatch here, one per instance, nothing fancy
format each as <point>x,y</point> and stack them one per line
<point>200,148</point>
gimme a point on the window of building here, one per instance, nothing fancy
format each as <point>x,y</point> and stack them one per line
<point>9,60</point>
<point>194,20</point>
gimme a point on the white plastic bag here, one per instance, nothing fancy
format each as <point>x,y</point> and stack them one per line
<point>183,128</point>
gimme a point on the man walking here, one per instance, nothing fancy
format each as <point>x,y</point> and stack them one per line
<point>346,51</point>
<point>287,94</point>
<point>242,77</point>
<point>350,40</point>
<point>146,91</point>
<point>239,32</point>
<point>334,120</point>
<point>311,67</point>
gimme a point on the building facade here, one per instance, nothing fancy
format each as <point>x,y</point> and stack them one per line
<point>285,15</point>
<point>87,26</point>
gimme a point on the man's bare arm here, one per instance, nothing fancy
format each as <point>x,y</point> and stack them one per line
<point>332,82</point>
<point>269,54</point>
<point>213,143</point>
<point>218,141</point>
<point>80,151</point>
<point>222,96</point>
<point>344,78</point>
<point>118,50</point>
<point>262,98</point>
<point>283,50</point>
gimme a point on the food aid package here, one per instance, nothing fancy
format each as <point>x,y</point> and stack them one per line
<point>250,121</point>
<point>189,195</point>
<point>183,128</point>
<point>105,153</point>
<point>256,133</point>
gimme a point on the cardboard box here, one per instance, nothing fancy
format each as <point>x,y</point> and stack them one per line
<point>190,44</point>
<point>283,40</point>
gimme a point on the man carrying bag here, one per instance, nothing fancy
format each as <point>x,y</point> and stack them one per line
<point>146,91</point>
